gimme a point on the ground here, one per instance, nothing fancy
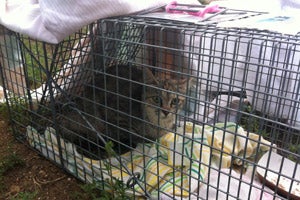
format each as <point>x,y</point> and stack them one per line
<point>26,175</point>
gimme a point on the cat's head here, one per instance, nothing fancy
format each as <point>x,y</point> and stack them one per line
<point>164,99</point>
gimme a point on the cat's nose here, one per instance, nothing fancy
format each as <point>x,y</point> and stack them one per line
<point>165,112</point>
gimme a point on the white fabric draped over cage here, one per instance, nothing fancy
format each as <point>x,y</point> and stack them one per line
<point>53,20</point>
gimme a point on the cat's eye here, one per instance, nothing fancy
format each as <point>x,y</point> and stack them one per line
<point>157,100</point>
<point>175,101</point>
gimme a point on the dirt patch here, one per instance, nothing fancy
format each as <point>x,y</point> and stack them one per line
<point>30,176</point>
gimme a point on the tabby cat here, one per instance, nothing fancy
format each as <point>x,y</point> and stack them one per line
<point>127,105</point>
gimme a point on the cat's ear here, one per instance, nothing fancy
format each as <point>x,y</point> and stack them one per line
<point>183,84</point>
<point>188,81</point>
<point>183,81</point>
<point>149,77</point>
<point>180,81</point>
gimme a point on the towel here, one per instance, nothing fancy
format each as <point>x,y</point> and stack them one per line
<point>176,165</point>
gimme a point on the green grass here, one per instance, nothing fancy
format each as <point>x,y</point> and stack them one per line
<point>25,196</point>
<point>286,139</point>
<point>19,115</point>
<point>41,56</point>
<point>294,148</point>
<point>35,55</point>
<point>4,112</point>
<point>108,189</point>
<point>251,121</point>
<point>114,190</point>
<point>9,162</point>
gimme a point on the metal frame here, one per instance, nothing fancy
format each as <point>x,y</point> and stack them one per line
<point>244,93</point>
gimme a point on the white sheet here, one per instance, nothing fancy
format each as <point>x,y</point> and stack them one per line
<point>52,20</point>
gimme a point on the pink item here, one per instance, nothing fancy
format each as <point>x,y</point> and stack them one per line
<point>208,9</point>
<point>172,5</point>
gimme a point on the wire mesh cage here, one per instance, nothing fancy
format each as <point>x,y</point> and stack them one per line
<point>164,109</point>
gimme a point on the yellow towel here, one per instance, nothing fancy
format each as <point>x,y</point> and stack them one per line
<point>176,165</point>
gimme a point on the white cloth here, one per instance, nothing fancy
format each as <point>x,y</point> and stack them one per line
<point>271,80</point>
<point>272,6</point>
<point>52,20</point>
<point>228,184</point>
